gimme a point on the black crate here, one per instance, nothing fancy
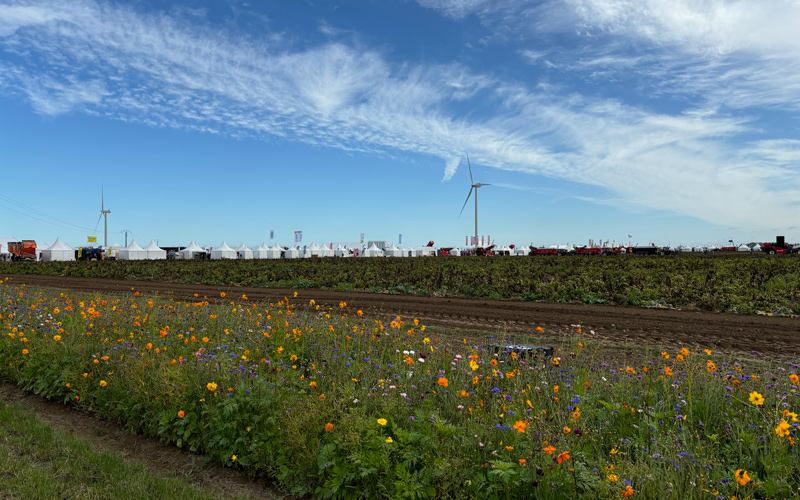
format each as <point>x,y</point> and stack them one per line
<point>522,350</point>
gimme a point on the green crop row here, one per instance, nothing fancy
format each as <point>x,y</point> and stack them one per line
<point>738,283</point>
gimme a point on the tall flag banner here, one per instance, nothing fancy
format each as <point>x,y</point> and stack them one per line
<point>400,239</point>
<point>481,240</point>
<point>272,234</point>
<point>489,240</point>
<point>298,236</point>
<point>91,239</point>
<point>362,237</point>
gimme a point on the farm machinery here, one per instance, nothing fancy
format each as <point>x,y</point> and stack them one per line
<point>779,247</point>
<point>22,250</point>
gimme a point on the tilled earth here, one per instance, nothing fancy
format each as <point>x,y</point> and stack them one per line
<point>771,336</point>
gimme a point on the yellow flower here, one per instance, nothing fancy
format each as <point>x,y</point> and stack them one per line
<point>389,440</point>
<point>566,430</point>
<point>103,383</point>
<point>708,351</point>
<point>211,386</point>
<point>382,421</point>
<point>782,430</point>
<point>756,398</point>
<point>233,458</point>
<point>612,477</point>
<point>56,337</point>
<point>741,477</point>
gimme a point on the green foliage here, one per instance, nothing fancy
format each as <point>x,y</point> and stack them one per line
<point>721,283</point>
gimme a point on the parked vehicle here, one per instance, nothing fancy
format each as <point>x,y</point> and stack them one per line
<point>22,250</point>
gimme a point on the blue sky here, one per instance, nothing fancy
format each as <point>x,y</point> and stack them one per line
<point>675,121</point>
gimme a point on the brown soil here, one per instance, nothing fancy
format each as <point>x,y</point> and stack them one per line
<point>770,336</point>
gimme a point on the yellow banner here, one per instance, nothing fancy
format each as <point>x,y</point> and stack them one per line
<point>91,239</point>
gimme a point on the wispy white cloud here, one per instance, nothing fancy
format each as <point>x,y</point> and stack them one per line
<point>163,71</point>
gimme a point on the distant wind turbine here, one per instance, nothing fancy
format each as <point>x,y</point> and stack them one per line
<point>103,213</point>
<point>475,186</point>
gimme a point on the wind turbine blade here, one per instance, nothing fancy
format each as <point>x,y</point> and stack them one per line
<point>465,202</point>
<point>471,180</point>
<point>98,222</point>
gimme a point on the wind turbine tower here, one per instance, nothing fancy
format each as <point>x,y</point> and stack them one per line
<point>103,215</point>
<point>475,186</point>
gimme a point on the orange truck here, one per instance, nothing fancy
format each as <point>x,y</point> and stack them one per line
<point>22,250</point>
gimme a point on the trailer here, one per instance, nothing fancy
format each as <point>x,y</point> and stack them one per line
<point>22,250</point>
<point>650,250</point>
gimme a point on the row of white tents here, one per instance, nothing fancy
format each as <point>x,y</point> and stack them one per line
<point>60,251</point>
<point>224,251</point>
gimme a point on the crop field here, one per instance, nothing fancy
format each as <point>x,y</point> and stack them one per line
<point>744,284</point>
<point>335,404</point>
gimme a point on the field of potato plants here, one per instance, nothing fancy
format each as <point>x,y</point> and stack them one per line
<point>332,404</point>
<point>719,283</point>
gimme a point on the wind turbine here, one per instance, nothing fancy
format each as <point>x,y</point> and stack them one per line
<point>475,186</point>
<point>103,213</point>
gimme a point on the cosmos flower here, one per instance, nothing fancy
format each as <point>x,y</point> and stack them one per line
<point>756,398</point>
<point>741,477</point>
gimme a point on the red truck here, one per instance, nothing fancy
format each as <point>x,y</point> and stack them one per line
<point>22,250</point>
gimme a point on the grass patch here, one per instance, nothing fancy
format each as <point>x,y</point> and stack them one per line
<point>38,462</point>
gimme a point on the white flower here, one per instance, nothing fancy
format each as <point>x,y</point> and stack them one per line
<point>421,360</point>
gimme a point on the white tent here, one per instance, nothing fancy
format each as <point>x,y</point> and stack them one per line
<point>243,252</point>
<point>223,252</point>
<point>313,251</point>
<point>371,251</point>
<point>424,252</point>
<point>757,248</point>
<point>261,252</point>
<point>132,252</point>
<point>392,251</point>
<point>325,251</point>
<point>519,251</point>
<point>743,248</point>
<point>154,252</point>
<point>292,253</point>
<point>455,252</point>
<point>341,251</point>
<point>274,252</point>
<point>58,251</point>
<point>192,251</point>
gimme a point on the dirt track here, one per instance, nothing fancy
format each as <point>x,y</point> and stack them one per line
<point>776,336</point>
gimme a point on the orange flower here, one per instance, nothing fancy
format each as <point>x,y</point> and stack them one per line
<point>522,461</point>
<point>24,351</point>
<point>564,455</point>
<point>313,385</point>
<point>741,477</point>
<point>181,414</point>
<point>443,382</point>
<point>360,313</point>
<point>328,427</point>
<point>628,491</point>
<point>521,425</point>
<point>222,294</point>
<point>149,346</point>
<point>549,450</point>
<point>668,371</point>
<point>794,378</point>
